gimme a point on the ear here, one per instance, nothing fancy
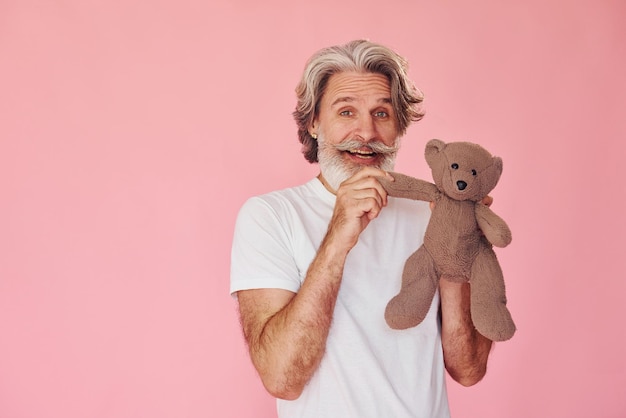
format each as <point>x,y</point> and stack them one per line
<point>492,176</point>
<point>497,162</point>
<point>433,148</point>
<point>313,126</point>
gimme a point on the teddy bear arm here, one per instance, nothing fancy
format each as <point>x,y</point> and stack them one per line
<point>495,229</point>
<point>410,188</point>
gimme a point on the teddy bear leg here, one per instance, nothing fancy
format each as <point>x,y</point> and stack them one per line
<point>490,315</point>
<point>419,283</point>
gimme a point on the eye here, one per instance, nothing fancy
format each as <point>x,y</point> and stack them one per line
<point>381,114</point>
<point>454,166</point>
<point>473,172</point>
<point>345,113</point>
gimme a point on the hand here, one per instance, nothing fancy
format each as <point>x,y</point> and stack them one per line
<point>359,200</point>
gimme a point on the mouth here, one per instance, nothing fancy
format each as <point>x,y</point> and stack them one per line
<point>362,153</point>
<point>359,153</point>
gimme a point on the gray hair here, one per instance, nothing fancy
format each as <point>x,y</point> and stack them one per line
<point>358,56</point>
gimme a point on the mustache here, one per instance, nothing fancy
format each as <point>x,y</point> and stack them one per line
<point>374,146</point>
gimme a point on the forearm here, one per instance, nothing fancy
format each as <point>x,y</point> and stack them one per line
<point>290,345</point>
<point>465,350</point>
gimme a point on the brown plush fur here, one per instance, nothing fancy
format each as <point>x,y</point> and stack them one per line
<point>458,240</point>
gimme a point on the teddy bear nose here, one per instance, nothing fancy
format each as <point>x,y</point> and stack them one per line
<point>461,185</point>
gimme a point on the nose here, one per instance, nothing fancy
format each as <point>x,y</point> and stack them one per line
<point>461,185</point>
<point>366,127</point>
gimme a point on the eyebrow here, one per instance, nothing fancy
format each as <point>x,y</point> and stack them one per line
<point>349,99</point>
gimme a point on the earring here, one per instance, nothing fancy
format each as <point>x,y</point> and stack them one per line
<point>314,135</point>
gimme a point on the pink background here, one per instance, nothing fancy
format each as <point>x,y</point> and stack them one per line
<point>132,131</point>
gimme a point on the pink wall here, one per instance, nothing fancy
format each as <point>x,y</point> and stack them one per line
<point>131,132</point>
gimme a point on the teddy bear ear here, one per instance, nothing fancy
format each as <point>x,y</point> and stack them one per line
<point>491,176</point>
<point>433,147</point>
<point>497,162</point>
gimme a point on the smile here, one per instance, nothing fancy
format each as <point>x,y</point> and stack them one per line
<point>361,153</point>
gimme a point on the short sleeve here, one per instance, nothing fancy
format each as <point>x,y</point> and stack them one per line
<point>262,251</point>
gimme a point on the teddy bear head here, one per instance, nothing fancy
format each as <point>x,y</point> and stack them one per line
<point>463,170</point>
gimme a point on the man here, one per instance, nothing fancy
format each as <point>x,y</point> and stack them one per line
<point>313,266</point>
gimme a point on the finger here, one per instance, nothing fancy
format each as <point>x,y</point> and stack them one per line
<point>371,184</point>
<point>362,193</point>
<point>487,201</point>
<point>366,172</point>
<point>366,183</point>
<point>371,206</point>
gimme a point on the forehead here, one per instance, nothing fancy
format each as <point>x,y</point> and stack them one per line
<point>468,155</point>
<point>355,86</point>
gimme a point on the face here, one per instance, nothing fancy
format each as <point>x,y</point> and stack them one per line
<point>356,126</point>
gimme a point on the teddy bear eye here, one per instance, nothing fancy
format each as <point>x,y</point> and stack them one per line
<point>473,172</point>
<point>454,166</point>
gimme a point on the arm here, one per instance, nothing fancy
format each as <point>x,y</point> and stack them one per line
<point>493,227</point>
<point>287,332</point>
<point>410,188</point>
<point>465,350</point>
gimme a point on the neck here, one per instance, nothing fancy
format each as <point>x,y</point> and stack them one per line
<point>325,183</point>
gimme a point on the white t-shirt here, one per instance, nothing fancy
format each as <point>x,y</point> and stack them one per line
<point>369,369</point>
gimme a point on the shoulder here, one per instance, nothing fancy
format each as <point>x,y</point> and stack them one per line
<point>284,206</point>
<point>311,193</point>
<point>277,200</point>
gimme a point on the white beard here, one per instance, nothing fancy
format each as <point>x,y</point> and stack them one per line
<point>335,171</point>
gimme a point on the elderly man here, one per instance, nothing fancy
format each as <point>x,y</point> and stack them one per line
<point>314,266</point>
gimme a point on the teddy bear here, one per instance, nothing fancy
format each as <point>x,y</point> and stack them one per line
<point>458,239</point>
